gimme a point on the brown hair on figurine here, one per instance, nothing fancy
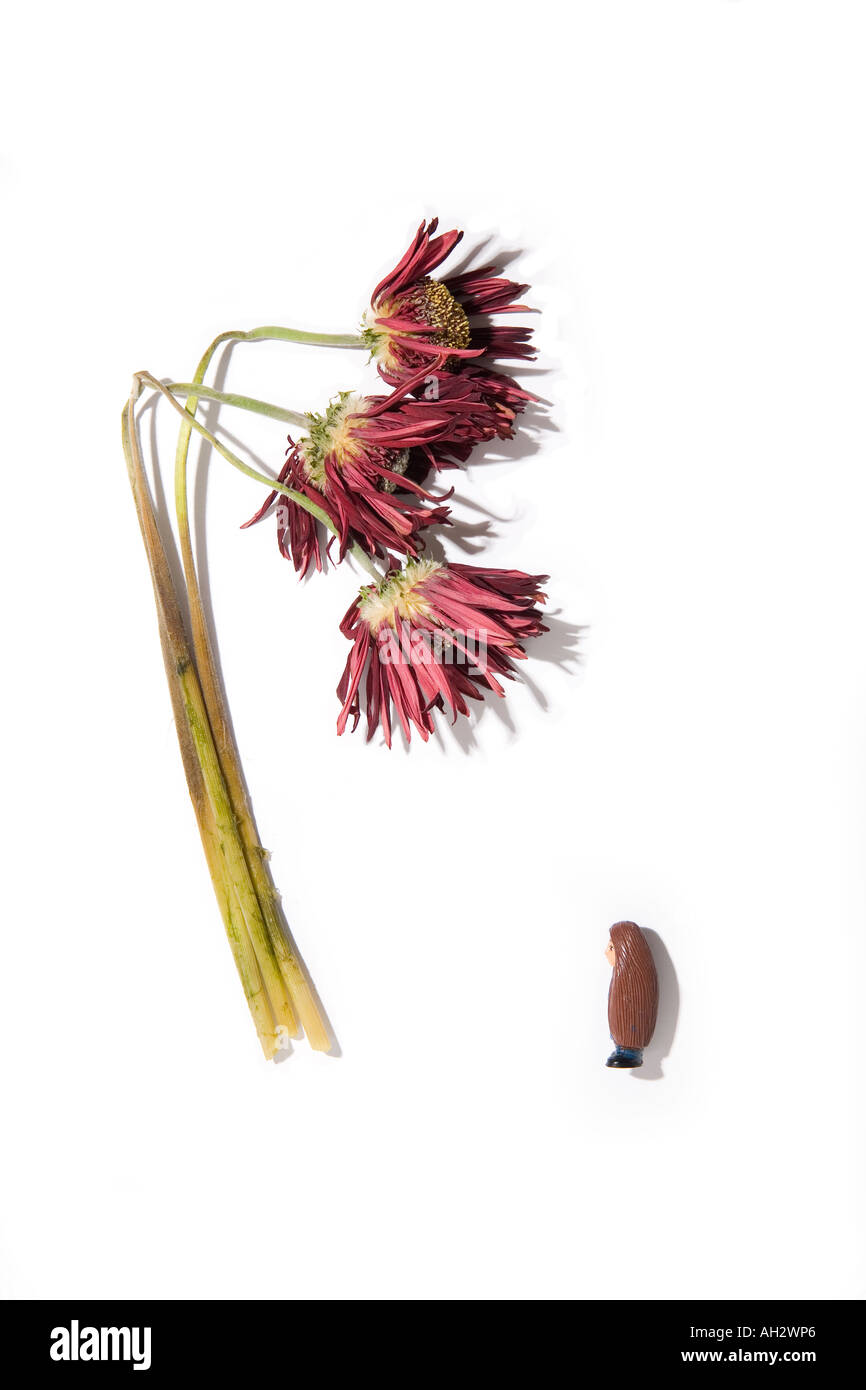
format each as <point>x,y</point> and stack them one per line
<point>633,1000</point>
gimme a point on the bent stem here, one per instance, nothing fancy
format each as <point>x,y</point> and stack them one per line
<point>297,335</point>
<point>274,333</point>
<point>272,484</point>
<point>245,927</point>
<point>299,986</point>
<point>274,412</point>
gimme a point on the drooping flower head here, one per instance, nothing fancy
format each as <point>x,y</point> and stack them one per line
<point>413,318</point>
<point>362,463</point>
<point>431,635</point>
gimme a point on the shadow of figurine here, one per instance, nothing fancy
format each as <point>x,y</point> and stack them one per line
<point>669,1006</point>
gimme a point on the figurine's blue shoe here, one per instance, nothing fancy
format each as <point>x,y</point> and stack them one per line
<point>625,1057</point>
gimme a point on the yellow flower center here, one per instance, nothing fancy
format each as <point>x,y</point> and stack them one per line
<point>432,304</point>
<point>398,465</point>
<point>400,596</point>
<point>446,315</point>
<point>333,435</point>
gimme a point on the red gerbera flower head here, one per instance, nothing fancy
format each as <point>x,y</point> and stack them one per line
<point>413,318</point>
<point>431,635</point>
<point>362,462</point>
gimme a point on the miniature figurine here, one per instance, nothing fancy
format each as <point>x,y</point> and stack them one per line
<point>633,1001</point>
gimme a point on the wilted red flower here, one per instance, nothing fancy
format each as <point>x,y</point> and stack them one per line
<point>412,318</point>
<point>431,635</point>
<point>362,463</point>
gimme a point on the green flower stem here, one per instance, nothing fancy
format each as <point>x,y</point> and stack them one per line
<point>298,983</point>
<point>295,335</point>
<point>363,559</point>
<point>273,333</point>
<point>255,961</point>
<point>274,412</point>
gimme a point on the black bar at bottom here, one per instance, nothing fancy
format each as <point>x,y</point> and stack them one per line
<point>152,1339</point>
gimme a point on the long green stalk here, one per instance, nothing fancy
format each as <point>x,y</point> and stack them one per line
<point>274,412</point>
<point>300,987</point>
<point>248,936</point>
<point>297,335</point>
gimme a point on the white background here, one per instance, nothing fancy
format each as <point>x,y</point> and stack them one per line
<point>686,183</point>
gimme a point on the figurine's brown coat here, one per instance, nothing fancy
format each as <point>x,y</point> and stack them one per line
<point>633,1001</point>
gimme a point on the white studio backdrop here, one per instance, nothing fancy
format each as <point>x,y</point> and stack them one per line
<point>683,182</point>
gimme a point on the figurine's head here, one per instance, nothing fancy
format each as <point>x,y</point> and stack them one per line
<point>632,1003</point>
